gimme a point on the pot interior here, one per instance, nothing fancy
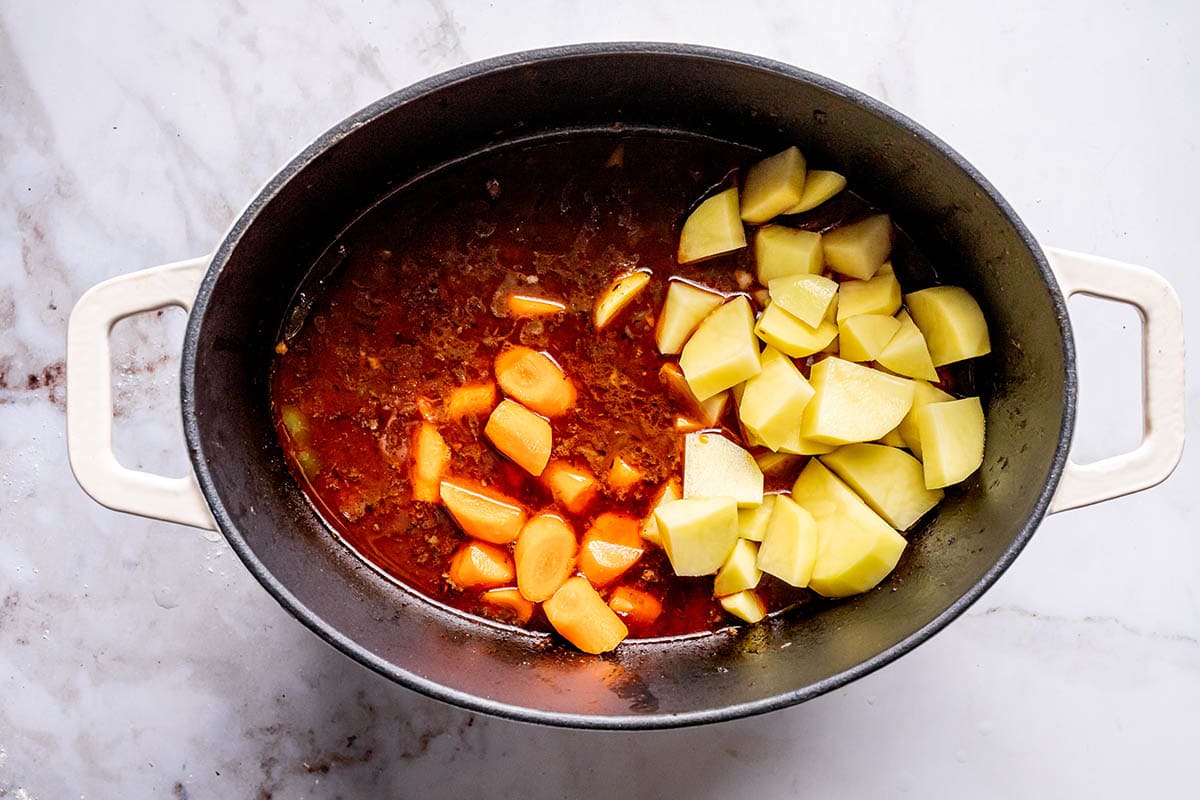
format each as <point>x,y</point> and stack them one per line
<point>952,214</point>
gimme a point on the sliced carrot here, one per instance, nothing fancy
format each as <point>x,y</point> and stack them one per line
<point>483,513</point>
<point>534,380</point>
<point>545,554</point>
<point>511,603</point>
<point>471,400</point>
<point>431,456</point>
<point>635,605</point>
<point>579,614</point>
<point>611,546</point>
<point>525,305</point>
<point>571,485</point>
<point>622,476</point>
<point>481,566</point>
<point>520,434</point>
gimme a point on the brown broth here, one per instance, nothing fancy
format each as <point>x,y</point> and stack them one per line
<point>415,307</point>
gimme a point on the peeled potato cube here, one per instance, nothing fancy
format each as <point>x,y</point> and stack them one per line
<point>774,462</point>
<point>669,492</point>
<point>952,436</point>
<point>791,336</point>
<point>893,438</point>
<point>723,351</point>
<point>860,248</point>
<point>619,294</point>
<point>805,297</point>
<point>686,305</point>
<point>773,185</point>
<point>864,337</point>
<point>698,533</point>
<point>713,466</point>
<point>712,229</point>
<point>739,572</point>
<point>906,354</point>
<point>856,549</point>
<point>752,522</point>
<point>952,322</point>
<point>580,615</point>
<point>923,395</point>
<point>744,605</point>
<point>799,444</point>
<point>891,481</point>
<point>879,295</point>
<point>780,251</point>
<point>853,403</point>
<point>773,401</point>
<point>819,185</point>
<point>789,548</point>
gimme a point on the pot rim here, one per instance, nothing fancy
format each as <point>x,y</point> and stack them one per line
<point>484,705</point>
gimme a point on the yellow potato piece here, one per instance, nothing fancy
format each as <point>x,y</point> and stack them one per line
<point>893,438</point>
<point>923,395</point>
<point>791,336</point>
<point>891,481</point>
<point>772,186</point>
<point>698,533</point>
<point>712,229</point>
<point>683,310</point>
<point>952,323</point>
<point>853,403</point>
<point>780,251</point>
<point>789,548</point>
<point>952,437</point>
<point>805,297</point>
<point>619,294</point>
<point>860,248</point>
<point>879,295</point>
<point>819,185</point>
<point>906,354</point>
<point>773,401</point>
<point>723,351</point>
<point>713,466</point>
<point>752,522</point>
<point>739,572</point>
<point>863,337</point>
<point>745,605</point>
<point>670,491</point>
<point>856,549</point>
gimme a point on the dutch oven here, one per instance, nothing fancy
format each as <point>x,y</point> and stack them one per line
<point>240,294</point>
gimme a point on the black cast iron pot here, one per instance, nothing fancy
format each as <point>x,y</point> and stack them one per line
<point>251,280</point>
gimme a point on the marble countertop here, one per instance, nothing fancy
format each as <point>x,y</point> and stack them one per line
<point>140,659</point>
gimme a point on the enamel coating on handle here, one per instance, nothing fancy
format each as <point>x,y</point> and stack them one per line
<point>1163,386</point>
<point>89,395</point>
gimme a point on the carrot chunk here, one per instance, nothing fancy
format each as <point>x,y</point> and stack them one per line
<point>573,486</point>
<point>471,400</point>
<point>481,566</point>
<point>510,603</point>
<point>427,409</point>
<point>545,555</point>
<point>483,513</point>
<point>521,435</point>
<point>525,305</point>
<point>622,476</point>
<point>534,380</point>
<point>431,456</point>
<point>581,617</point>
<point>611,545</point>
<point>635,605</point>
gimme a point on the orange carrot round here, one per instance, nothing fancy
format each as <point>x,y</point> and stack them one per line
<point>611,546</point>
<point>635,605</point>
<point>534,380</point>
<point>479,565</point>
<point>545,556</point>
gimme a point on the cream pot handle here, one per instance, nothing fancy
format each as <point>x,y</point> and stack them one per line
<point>1163,387</point>
<point>89,395</point>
